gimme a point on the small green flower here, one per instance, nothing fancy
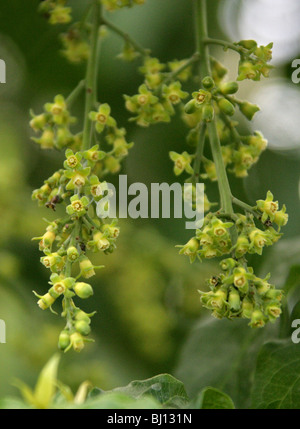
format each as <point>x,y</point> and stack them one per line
<point>190,249</point>
<point>102,118</point>
<point>60,15</point>
<point>248,70</point>
<point>86,267</point>
<point>185,74</point>
<point>46,141</point>
<point>128,53</point>
<point>99,242</point>
<point>78,177</point>
<point>268,207</point>
<point>182,162</point>
<point>173,92</point>
<point>73,160</point>
<point>151,66</point>
<point>77,341</point>
<point>281,217</point>
<point>258,319</point>
<point>94,154</point>
<point>78,206</point>
<point>202,96</point>
<point>72,254</point>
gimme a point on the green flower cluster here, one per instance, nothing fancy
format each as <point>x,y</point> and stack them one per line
<point>79,186</point>
<point>157,96</point>
<point>112,5</point>
<point>254,59</point>
<point>238,293</point>
<point>239,153</point>
<point>214,239</point>
<point>53,125</point>
<point>75,47</point>
<point>56,11</point>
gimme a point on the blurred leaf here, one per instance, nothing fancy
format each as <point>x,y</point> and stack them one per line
<point>293,279</point>
<point>118,400</point>
<point>164,388</point>
<point>46,384</point>
<point>277,376</point>
<point>294,315</point>
<point>213,399</point>
<point>45,387</point>
<point>221,354</point>
<point>12,404</point>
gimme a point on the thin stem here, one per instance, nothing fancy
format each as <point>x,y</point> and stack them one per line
<point>91,74</point>
<point>199,153</point>
<point>192,60</point>
<point>125,36</point>
<point>202,48</point>
<point>244,206</point>
<point>225,44</point>
<point>75,93</point>
<point>235,135</point>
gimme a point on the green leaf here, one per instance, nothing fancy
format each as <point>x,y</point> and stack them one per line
<point>118,400</point>
<point>293,279</point>
<point>213,399</point>
<point>11,403</point>
<point>46,385</point>
<point>221,354</point>
<point>164,389</point>
<point>277,376</point>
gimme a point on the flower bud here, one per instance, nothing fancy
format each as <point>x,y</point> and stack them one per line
<point>83,290</point>
<point>226,107</point>
<point>234,299</point>
<point>82,316</point>
<point>208,82</point>
<point>208,113</point>
<point>242,246</point>
<point>82,327</point>
<point>274,294</point>
<point>190,107</point>
<point>64,340</point>
<point>218,70</point>
<point>247,44</point>
<point>248,109</point>
<point>229,87</point>
<point>247,308</point>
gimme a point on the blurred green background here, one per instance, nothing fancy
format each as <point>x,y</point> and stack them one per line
<point>146,298</point>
